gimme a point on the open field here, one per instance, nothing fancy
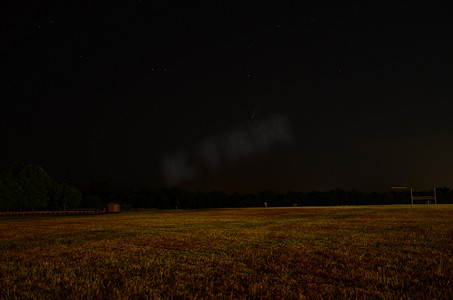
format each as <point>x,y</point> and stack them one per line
<point>368,251</point>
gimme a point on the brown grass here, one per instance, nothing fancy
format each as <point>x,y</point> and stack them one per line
<point>330,252</point>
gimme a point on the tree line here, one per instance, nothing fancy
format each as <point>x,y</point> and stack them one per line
<point>29,187</point>
<point>176,197</point>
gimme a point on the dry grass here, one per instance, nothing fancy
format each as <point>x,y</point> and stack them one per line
<point>352,252</point>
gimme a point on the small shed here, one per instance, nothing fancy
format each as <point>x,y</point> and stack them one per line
<point>113,207</point>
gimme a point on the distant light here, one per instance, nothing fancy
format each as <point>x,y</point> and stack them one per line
<point>399,187</point>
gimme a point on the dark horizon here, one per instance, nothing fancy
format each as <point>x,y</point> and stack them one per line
<point>155,95</point>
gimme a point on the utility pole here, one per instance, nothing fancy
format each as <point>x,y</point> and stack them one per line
<point>412,197</point>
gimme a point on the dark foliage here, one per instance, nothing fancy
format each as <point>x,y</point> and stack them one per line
<point>176,197</point>
<point>29,187</point>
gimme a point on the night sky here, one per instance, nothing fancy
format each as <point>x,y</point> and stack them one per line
<point>239,97</point>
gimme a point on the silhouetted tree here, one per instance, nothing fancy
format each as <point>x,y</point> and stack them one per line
<point>30,187</point>
<point>442,195</point>
<point>91,201</point>
<point>338,197</point>
<point>251,200</point>
<point>218,199</point>
<point>35,184</point>
<point>236,199</point>
<point>268,197</point>
<point>281,200</point>
<point>70,196</point>
<point>12,193</point>
<point>293,197</point>
<point>4,196</point>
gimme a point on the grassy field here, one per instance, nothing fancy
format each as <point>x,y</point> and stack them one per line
<point>329,252</point>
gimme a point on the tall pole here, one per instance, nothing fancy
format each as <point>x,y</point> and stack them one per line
<point>412,198</point>
<point>435,197</point>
